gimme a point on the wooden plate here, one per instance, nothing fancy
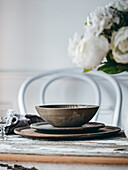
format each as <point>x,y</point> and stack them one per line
<point>107,131</point>
<point>47,128</point>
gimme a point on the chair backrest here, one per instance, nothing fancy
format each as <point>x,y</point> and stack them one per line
<point>118,103</point>
<point>77,74</point>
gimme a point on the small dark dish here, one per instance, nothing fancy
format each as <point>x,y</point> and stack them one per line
<point>44,127</point>
<point>67,115</point>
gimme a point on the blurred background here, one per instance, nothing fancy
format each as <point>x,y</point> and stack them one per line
<point>34,38</point>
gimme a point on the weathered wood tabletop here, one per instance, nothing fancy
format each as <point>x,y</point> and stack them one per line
<point>103,151</point>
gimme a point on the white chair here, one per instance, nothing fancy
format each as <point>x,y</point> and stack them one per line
<point>77,74</point>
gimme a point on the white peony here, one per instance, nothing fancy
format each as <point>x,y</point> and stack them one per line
<point>121,5</point>
<point>120,45</point>
<point>102,18</point>
<point>72,44</point>
<point>90,51</point>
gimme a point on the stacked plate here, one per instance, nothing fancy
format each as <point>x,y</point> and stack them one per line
<point>91,130</point>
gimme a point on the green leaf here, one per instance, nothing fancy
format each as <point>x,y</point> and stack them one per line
<point>110,69</point>
<point>86,70</point>
<point>123,67</point>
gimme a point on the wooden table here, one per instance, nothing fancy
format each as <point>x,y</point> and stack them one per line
<point>102,151</point>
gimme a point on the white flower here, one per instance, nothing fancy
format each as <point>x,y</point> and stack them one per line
<point>90,51</point>
<point>120,45</point>
<point>102,18</point>
<point>121,5</point>
<point>72,44</point>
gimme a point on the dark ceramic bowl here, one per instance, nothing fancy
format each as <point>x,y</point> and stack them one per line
<point>67,115</point>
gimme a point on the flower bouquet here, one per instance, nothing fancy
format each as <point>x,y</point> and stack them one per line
<point>104,43</point>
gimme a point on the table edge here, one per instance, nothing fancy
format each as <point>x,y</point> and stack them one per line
<point>65,159</point>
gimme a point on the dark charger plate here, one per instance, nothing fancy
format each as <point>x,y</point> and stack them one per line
<point>49,129</point>
<point>107,131</point>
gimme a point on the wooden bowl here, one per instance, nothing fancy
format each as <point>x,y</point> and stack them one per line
<point>67,115</point>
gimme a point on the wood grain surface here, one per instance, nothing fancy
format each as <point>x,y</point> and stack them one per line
<point>103,151</point>
<point>64,159</point>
